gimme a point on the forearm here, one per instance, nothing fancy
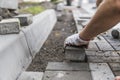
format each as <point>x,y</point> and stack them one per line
<point>105,18</point>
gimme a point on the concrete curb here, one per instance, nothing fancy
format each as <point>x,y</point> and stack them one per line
<point>15,56</point>
<point>17,50</point>
<point>37,33</point>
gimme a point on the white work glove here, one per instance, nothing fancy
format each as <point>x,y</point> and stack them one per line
<point>75,40</point>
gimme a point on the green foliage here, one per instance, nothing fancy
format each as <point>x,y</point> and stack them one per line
<point>29,3</point>
<point>33,10</point>
<point>54,0</point>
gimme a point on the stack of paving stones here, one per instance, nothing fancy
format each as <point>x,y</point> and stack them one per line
<point>13,25</point>
<point>102,55</point>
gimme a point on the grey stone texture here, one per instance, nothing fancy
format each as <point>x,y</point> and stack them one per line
<point>101,71</point>
<point>105,46</point>
<point>115,66</point>
<point>9,26</point>
<point>75,54</point>
<point>67,66</point>
<point>114,42</point>
<point>15,49</point>
<point>92,47</point>
<point>15,56</point>
<point>99,38</point>
<point>67,75</point>
<point>25,19</point>
<point>31,76</point>
<point>79,27</point>
<point>85,22</point>
<point>9,4</point>
<point>102,56</point>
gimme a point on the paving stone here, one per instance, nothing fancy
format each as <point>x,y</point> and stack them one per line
<point>31,76</point>
<point>78,18</point>
<point>79,27</point>
<point>83,11</point>
<point>111,40</point>
<point>89,8</point>
<point>98,39</point>
<point>116,73</point>
<point>38,32</point>
<point>92,47</point>
<point>85,23</point>
<point>102,59</point>
<point>115,43</point>
<point>104,46</point>
<point>9,4</point>
<point>67,66</point>
<point>116,46</point>
<point>101,71</point>
<point>75,54</point>
<point>118,52</point>
<point>91,53</point>
<point>75,13</point>
<point>115,66</point>
<point>67,75</point>
<point>85,16</point>
<point>100,56</point>
<point>80,21</point>
<point>25,19</point>
<point>9,26</point>
<point>15,56</point>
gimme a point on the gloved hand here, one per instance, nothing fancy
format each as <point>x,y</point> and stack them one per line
<point>75,40</point>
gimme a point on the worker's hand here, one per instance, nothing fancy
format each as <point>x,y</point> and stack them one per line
<point>117,78</point>
<point>76,41</point>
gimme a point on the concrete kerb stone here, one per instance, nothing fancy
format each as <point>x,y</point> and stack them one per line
<point>37,33</point>
<point>17,57</point>
<point>25,19</point>
<point>14,56</point>
<point>9,26</point>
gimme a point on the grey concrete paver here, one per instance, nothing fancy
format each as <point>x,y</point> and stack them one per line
<point>67,75</point>
<point>9,26</point>
<point>67,66</point>
<point>25,19</point>
<point>101,71</point>
<point>31,76</point>
<point>75,54</point>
